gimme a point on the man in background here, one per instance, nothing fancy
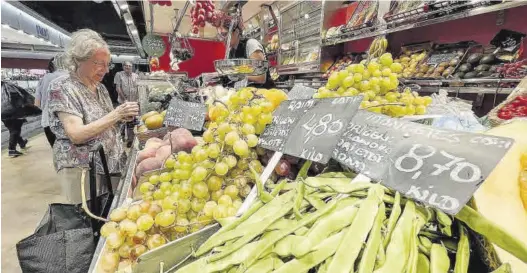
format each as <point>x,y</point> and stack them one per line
<point>56,70</point>
<point>126,85</point>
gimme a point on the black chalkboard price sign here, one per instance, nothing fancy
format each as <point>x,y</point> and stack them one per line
<point>188,115</point>
<point>309,128</point>
<point>442,168</point>
<point>299,92</point>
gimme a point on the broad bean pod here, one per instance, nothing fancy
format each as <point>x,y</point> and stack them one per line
<point>463,251</point>
<point>374,243</point>
<point>439,261</point>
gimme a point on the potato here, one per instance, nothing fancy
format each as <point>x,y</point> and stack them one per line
<point>163,152</point>
<point>147,165</point>
<point>153,143</point>
<point>146,153</point>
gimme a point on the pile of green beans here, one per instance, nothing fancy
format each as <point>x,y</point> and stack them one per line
<point>324,224</point>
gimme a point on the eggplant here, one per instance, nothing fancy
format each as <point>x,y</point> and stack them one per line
<point>487,59</point>
<point>470,75</point>
<point>466,67</point>
<point>459,75</point>
<point>482,74</point>
<point>482,67</point>
<point>474,58</point>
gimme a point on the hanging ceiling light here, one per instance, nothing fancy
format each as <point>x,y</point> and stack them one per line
<point>123,6</point>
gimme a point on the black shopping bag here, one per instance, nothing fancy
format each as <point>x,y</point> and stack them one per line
<point>65,239</point>
<point>17,102</point>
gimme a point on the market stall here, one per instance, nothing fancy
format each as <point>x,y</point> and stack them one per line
<point>368,160</point>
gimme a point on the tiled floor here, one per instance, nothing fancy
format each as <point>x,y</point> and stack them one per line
<point>29,184</point>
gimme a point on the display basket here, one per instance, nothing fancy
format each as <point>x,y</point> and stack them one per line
<point>493,118</point>
<point>246,67</point>
<point>158,133</point>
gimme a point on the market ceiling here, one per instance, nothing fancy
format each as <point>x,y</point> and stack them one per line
<point>100,16</point>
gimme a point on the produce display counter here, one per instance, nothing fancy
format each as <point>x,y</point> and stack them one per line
<point>123,192</point>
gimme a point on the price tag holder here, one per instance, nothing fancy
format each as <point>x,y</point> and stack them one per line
<point>310,128</point>
<point>299,92</point>
<point>188,115</point>
<point>441,168</point>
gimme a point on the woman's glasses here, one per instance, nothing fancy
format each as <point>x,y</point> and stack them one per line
<point>102,64</point>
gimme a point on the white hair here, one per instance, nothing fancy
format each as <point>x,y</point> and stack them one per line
<point>60,61</point>
<point>82,46</point>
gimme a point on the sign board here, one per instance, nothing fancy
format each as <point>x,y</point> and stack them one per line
<point>188,115</point>
<point>309,128</point>
<point>442,168</point>
<point>300,92</point>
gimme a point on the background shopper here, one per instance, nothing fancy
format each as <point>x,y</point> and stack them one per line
<point>82,115</point>
<point>57,70</point>
<point>126,86</point>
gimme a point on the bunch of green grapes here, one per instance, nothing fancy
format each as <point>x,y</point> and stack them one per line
<point>377,80</point>
<point>195,189</point>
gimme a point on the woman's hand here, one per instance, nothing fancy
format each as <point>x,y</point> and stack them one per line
<point>127,110</point>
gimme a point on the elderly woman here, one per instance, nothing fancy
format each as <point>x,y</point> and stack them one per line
<point>82,115</point>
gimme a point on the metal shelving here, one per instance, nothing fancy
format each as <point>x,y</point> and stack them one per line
<point>385,28</point>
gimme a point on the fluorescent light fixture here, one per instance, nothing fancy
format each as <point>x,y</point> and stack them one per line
<point>123,6</point>
<point>134,31</point>
<point>128,18</point>
<point>306,16</point>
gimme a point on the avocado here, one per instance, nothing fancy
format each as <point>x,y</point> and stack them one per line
<point>470,75</point>
<point>474,58</point>
<point>454,62</point>
<point>484,74</point>
<point>482,67</point>
<point>459,75</point>
<point>465,67</point>
<point>487,59</point>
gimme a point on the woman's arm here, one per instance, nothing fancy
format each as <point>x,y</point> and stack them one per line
<point>80,133</point>
<point>257,55</point>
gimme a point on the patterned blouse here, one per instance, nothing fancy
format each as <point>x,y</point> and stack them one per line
<point>71,96</point>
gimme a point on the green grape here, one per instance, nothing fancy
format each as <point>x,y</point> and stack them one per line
<point>185,190</point>
<point>357,77</point>
<point>181,225</point>
<point>366,75</point>
<point>124,251</point>
<point>267,107</point>
<point>231,191</point>
<point>372,67</point>
<point>221,168</point>
<point>347,82</point>
<point>183,205</point>
<point>265,119</point>
<point>359,68</point>
<point>184,157</point>
<point>240,182</point>
<point>153,179</point>
<point>165,177</point>
<point>391,97</point>
<point>396,67</point>
<point>214,183</point>
<point>170,162</point>
<point>259,128</point>
<point>155,241</point>
<point>241,148</point>
<point>419,101</point>
<point>237,203</point>
<point>333,81</point>
<point>223,128</point>
<point>420,110</point>
<point>114,240</point>
<point>231,160</point>
<point>428,100</point>
<point>410,110</point>
<point>256,165</point>
<point>208,136</point>
<point>144,206</point>
<point>364,85</point>
<point>256,110</point>
<point>191,214</point>
<point>216,195</point>
<point>252,141</point>
<point>209,208</point>
<point>169,203</point>
<point>250,119</point>
<point>109,227</point>
<point>371,94</point>
<point>231,211</point>
<point>386,59</point>
<point>158,195</point>
<point>204,219</point>
<point>225,200</point>
<point>231,137</point>
<point>208,164</point>
<point>154,210</point>
<point>198,174</point>
<point>128,227</point>
<point>351,68</point>
<point>248,129</point>
<point>201,155</point>
<point>341,89</point>
<point>364,104</point>
<point>133,212</point>
<point>200,190</point>
<point>165,218</point>
<point>220,212</point>
<point>213,150</point>
<point>246,110</point>
<point>385,83</point>
<point>146,187</point>
<point>243,164</point>
<point>165,186</point>
<point>145,222</point>
<point>197,204</point>
<point>386,72</point>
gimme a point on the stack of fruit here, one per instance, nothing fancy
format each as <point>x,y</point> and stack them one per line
<point>152,120</point>
<point>340,63</point>
<point>516,70</point>
<point>202,13</point>
<point>515,108</point>
<point>199,184</point>
<point>377,81</point>
<point>273,44</point>
<point>409,64</point>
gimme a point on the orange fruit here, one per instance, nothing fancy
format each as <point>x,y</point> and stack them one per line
<point>154,121</point>
<point>149,114</point>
